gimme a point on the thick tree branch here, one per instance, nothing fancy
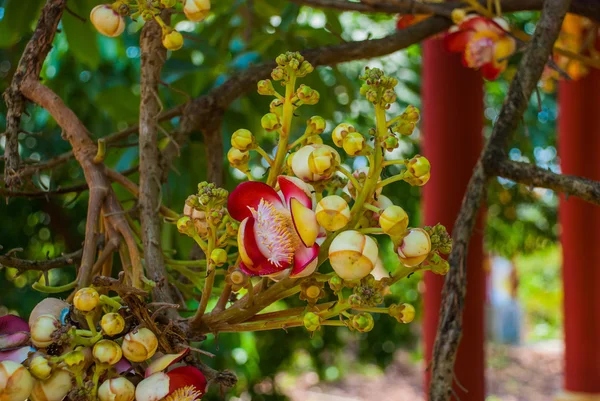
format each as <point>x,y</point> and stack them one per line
<point>515,104</point>
<point>528,174</point>
<point>23,265</point>
<point>29,66</point>
<point>152,59</point>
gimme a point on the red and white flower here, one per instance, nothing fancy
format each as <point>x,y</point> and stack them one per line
<point>484,44</point>
<point>276,234</point>
<point>14,339</point>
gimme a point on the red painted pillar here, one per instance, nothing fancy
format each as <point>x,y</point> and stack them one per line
<point>579,147</point>
<point>452,130</point>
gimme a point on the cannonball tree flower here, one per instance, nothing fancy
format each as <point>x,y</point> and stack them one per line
<point>185,383</point>
<point>484,43</point>
<point>196,10</point>
<point>315,162</point>
<point>15,381</point>
<point>414,247</point>
<point>54,388</point>
<point>353,255</point>
<point>275,234</point>
<point>14,339</point>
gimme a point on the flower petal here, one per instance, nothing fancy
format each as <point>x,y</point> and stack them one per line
<point>186,376</point>
<point>457,41</point>
<point>123,366</point>
<point>241,241</point>
<point>14,340</point>
<point>18,355</point>
<point>248,195</point>
<point>491,71</point>
<point>305,261</point>
<point>305,222</point>
<point>293,187</point>
<point>164,361</point>
<point>11,324</point>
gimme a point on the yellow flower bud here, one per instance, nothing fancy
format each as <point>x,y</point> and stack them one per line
<point>218,256</point>
<point>42,330</point>
<point>172,40</point>
<point>332,213</point>
<point>316,125</point>
<point>418,166</point>
<point>363,322</point>
<point>416,181</point>
<point>237,158</point>
<point>112,324</point>
<point>75,360</point>
<point>312,321</point>
<point>393,221</point>
<point>55,388</point>
<point>340,132</point>
<point>196,10</point>
<point>353,143</point>
<point>108,352</point>
<point>404,313</point>
<point>107,21</point>
<point>314,140</point>
<point>353,255</point>
<point>411,114</point>
<point>242,140</point>
<point>39,367</point>
<point>139,345</point>
<point>15,381</point>
<point>415,247</point>
<point>315,162</point>
<point>270,122</point>
<point>86,299</point>
<point>458,15</point>
<point>116,389</point>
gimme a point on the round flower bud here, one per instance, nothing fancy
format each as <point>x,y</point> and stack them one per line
<point>86,299</point>
<point>363,322</point>
<point>314,140</point>
<point>168,3</point>
<point>237,158</point>
<point>315,162</point>
<point>405,128</point>
<point>458,15</point>
<point>108,352</point>
<point>415,247</point>
<point>112,324</point>
<point>276,106</point>
<point>139,345</point>
<point>265,87</point>
<point>54,388</point>
<point>196,10</point>
<point>116,389</point>
<point>390,143</point>
<point>416,181</point>
<point>336,284</point>
<point>313,291</point>
<point>218,256</point>
<point>353,255</point>
<point>15,381</point>
<point>389,96</point>
<point>172,40</point>
<point>340,132</point>
<point>307,95</point>
<point>39,367</point>
<point>316,125</point>
<point>270,122</point>
<point>107,21</point>
<point>242,140</point>
<point>312,321</point>
<point>75,360</point>
<point>404,313</point>
<point>353,143</point>
<point>42,329</point>
<point>332,212</point>
<point>418,166</point>
<point>393,221</point>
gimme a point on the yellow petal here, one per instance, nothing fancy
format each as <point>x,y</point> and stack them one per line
<point>305,222</point>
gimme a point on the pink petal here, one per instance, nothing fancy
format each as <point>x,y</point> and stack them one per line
<point>14,340</point>
<point>305,222</point>
<point>18,355</point>
<point>186,376</point>
<point>11,324</point>
<point>248,195</point>
<point>457,41</point>
<point>164,361</point>
<point>303,261</point>
<point>293,187</point>
<point>123,366</point>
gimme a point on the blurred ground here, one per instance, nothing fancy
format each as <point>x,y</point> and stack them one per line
<point>515,373</point>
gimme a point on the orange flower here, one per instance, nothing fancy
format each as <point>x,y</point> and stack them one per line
<point>484,44</point>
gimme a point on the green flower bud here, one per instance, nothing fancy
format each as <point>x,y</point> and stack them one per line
<point>363,322</point>
<point>307,95</point>
<point>389,96</point>
<point>75,360</point>
<point>185,225</point>
<point>218,256</point>
<point>404,313</point>
<point>168,3</point>
<point>304,69</point>
<point>265,87</point>
<point>411,114</point>
<point>390,143</point>
<point>270,122</point>
<point>336,284</point>
<point>278,74</point>
<point>405,128</point>
<point>315,125</point>
<point>418,166</point>
<point>312,321</point>
<point>276,107</point>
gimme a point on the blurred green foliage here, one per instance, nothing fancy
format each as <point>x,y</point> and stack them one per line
<point>98,78</point>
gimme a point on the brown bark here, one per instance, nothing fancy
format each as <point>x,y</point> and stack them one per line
<point>515,104</point>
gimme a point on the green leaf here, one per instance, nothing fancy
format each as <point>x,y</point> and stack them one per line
<point>81,36</point>
<point>18,18</point>
<point>119,102</point>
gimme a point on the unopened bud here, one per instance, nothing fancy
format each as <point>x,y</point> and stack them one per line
<point>218,256</point>
<point>389,96</point>
<point>340,132</point>
<point>238,158</point>
<point>172,40</point>
<point>40,367</point>
<point>86,299</point>
<point>353,143</point>
<point>315,125</point>
<point>404,313</point>
<point>270,122</point>
<point>363,322</point>
<point>414,247</point>
<point>196,10</point>
<point>242,140</point>
<point>112,324</point>
<point>107,21</point>
<point>307,95</point>
<point>332,212</point>
<point>312,321</point>
<point>139,345</point>
<point>353,255</point>
<point>458,15</point>
<point>265,87</point>
<point>107,352</point>
<point>390,143</point>
<point>393,221</point>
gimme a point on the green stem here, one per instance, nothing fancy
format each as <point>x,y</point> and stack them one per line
<point>91,324</point>
<point>349,175</point>
<point>371,310</point>
<point>388,181</point>
<point>371,230</point>
<point>372,208</point>
<point>210,277</point>
<point>201,243</point>
<point>110,302</point>
<point>264,154</point>
<point>53,290</point>
<point>286,123</point>
<point>392,162</point>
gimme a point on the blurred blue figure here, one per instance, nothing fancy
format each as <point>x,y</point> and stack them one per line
<point>505,312</point>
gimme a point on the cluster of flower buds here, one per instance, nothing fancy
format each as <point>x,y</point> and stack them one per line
<point>88,350</point>
<point>378,88</point>
<point>109,19</point>
<point>406,123</point>
<point>288,63</point>
<point>204,212</point>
